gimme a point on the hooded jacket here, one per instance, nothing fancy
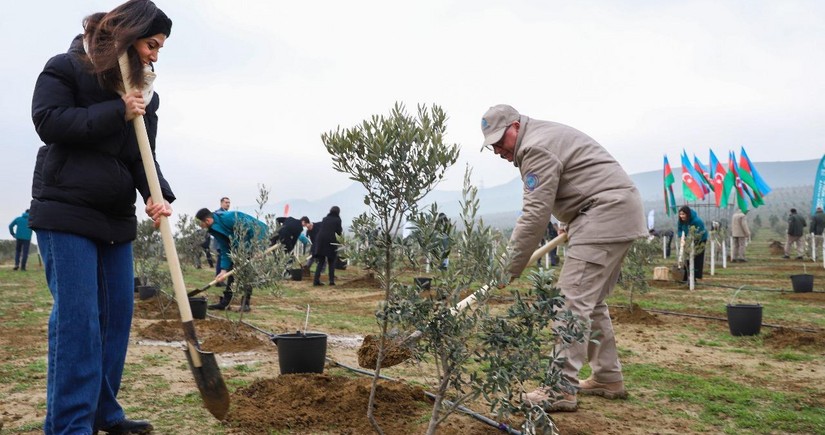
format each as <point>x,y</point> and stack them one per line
<point>683,228</point>
<point>21,224</point>
<point>568,174</point>
<point>86,173</point>
<point>223,230</point>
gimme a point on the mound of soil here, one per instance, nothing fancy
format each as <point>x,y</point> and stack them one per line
<point>781,338</point>
<point>818,297</point>
<point>636,316</point>
<point>321,403</point>
<point>216,335</point>
<point>367,281</point>
<point>151,308</point>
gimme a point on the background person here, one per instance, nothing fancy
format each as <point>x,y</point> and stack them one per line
<point>817,225</point>
<point>741,233</point>
<point>688,219</point>
<point>796,227</point>
<point>225,204</point>
<point>19,229</point>
<point>312,229</point>
<point>568,174</point>
<point>326,252</point>
<point>83,210</point>
<point>221,225</point>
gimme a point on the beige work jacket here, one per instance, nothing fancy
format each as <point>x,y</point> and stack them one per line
<point>568,174</point>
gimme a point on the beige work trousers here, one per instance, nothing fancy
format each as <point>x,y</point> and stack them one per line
<point>795,240</point>
<point>738,248</point>
<point>587,278</point>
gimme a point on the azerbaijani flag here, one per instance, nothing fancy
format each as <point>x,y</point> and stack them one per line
<point>691,189</point>
<point>748,182</point>
<point>704,174</point>
<point>746,165</point>
<point>732,178</point>
<point>670,200</point>
<point>718,180</point>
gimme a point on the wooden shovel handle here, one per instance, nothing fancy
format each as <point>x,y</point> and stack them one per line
<point>469,300</point>
<point>157,197</point>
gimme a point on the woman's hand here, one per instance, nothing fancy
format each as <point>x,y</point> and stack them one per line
<point>134,104</point>
<point>155,211</point>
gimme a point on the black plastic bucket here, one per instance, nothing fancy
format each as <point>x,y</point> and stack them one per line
<point>296,274</point>
<point>744,319</point>
<point>299,353</point>
<point>198,307</point>
<point>802,283</point>
<point>146,292</point>
<point>422,283</point>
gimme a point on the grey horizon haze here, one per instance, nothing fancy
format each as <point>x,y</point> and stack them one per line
<point>247,88</point>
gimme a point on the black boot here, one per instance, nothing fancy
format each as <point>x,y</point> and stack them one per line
<point>134,427</point>
<point>223,303</point>
<point>245,304</point>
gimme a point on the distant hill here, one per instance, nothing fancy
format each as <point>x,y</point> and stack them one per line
<point>501,204</point>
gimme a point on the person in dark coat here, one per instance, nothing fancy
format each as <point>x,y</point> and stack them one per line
<point>83,209</point>
<point>326,250</point>
<point>289,232</point>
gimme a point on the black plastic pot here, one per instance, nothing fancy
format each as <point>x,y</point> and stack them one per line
<point>137,284</point>
<point>301,353</point>
<point>296,274</point>
<point>146,292</point>
<point>744,319</point>
<point>802,283</point>
<point>198,307</point>
<point>422,283</point>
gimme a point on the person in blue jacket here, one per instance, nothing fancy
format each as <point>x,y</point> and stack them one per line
<point>221,225</point>
<point>23,237</point>
<point>687,219</point>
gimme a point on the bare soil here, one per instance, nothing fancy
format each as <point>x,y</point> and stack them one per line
<point>335,402</point>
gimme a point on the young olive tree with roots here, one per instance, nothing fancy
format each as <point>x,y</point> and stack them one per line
<point>398,159</point>
<point>481,351</point>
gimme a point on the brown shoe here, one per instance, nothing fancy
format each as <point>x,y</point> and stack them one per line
<point>612,390</point>
<point>551,401</point>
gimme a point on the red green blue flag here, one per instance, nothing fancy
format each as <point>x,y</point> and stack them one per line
<point>691,189</point>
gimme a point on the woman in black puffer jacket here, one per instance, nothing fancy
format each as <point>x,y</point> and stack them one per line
<point>83,209</point>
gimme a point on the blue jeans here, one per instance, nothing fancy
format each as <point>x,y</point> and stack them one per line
<point>21,253</point>
<point>92,286</point>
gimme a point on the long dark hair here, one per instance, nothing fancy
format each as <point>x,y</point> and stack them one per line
<point>107,33</point>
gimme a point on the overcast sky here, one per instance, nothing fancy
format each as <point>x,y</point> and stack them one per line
<point>248,87</point>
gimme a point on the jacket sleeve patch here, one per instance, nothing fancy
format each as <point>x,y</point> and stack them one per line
<point>531,181</point>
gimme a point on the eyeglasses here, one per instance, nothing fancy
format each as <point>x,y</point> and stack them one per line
<point>500,142</point>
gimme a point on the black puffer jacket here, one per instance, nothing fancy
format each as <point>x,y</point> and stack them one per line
<point>86,175</point>
<point>330,227</point>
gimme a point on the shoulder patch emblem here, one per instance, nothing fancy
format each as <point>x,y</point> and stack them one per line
<point>531,181</point>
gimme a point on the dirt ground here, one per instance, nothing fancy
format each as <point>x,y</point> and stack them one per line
<point>335,402</point>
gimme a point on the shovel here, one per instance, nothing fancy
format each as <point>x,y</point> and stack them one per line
<point>397,353</point>
<point>228,274</point>
<point>203,364</point>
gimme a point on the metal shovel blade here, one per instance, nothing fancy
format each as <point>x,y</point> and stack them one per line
<point>207,375</point>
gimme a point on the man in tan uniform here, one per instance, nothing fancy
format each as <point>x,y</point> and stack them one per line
<point>740,232</point>
<point>568,174</point>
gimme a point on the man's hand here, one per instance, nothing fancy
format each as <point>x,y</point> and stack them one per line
<point>221,276</point>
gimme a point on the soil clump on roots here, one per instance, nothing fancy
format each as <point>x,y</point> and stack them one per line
<point>394,354</point>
